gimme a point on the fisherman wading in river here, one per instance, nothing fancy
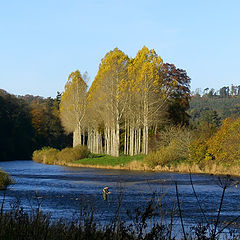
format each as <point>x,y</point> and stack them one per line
<point>105,193</point>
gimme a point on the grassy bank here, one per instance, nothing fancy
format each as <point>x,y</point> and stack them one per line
<point>107,161</point>
<point>81,157</point>
<point>138,163</point>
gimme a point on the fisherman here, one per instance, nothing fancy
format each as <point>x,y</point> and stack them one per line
<point>105,193</point>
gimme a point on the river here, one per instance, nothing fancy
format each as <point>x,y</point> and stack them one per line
<point>62,191</point>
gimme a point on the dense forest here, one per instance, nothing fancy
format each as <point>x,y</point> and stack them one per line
<point>28,123</point>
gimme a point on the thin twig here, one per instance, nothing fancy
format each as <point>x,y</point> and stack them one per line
<point>180,211</point>
<point>198,202</point>
<point>171,222</point>
<point>219,211</point>
<point>220,231</point>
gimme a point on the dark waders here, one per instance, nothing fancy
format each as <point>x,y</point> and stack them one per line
<point>105,193</point>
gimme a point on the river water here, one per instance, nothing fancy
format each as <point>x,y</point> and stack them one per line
<point>62,191</point>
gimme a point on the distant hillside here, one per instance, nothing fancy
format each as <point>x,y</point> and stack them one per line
<point>224,106</point>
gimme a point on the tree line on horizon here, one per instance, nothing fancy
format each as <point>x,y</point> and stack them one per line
<point>129,99</point>
<point>223,92</point>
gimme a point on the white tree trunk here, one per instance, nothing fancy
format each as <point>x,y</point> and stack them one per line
<point>127,136</point>
<point>131,150</point>
<point>117,140</point>
<point>139,140</point>
<point>125,139</point>
<point>77,136</point>
<point>106,141</point>
<point>135,142</point>
<point>145,124</point>
<point>109,141</point>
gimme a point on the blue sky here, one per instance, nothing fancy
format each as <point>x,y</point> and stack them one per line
<point>42,42</point>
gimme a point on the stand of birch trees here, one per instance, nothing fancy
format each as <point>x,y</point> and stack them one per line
<point>127,99</point>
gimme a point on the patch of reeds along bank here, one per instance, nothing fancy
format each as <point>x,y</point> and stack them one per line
<point>5,180</point>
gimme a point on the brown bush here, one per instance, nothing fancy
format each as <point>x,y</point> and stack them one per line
<point>46,155</point>
<point>73,154</point>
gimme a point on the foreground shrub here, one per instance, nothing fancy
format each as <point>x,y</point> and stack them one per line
<point>73,154</point>
<point>37,156</point>
<point>162,157</point>
<point>46,155</point>
<point>174,144</point>
<point>81,152</point>
<point>198,151</point>
<point>224,144</point>
<point>5,180</point>
<point>66,155</point>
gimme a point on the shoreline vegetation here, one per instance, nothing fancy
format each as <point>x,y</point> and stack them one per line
<point>181,168</point>
<point>80,156</point>
<point>5,180</point>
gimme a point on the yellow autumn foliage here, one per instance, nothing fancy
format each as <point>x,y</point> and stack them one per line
<point>224,146</point>
<point>73,101</point>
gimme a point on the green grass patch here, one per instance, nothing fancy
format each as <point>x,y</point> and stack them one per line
<point>106,160</point>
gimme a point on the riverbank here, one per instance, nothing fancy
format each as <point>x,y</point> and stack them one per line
<point>182,168</point>
<point>81,157</point>
<point>108,162</point>
<point>138,164</point>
